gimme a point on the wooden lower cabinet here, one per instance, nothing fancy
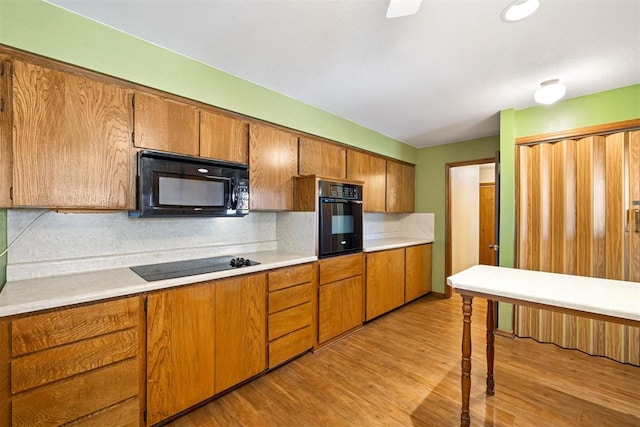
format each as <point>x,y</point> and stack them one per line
<point>290,308</point>
<point>181,327</point>
<point>74,366</point>
<point>340,296</point>
<point>385,282</point>
<point>395,277</point>
<point>241,347</point>
<point>418,269</point>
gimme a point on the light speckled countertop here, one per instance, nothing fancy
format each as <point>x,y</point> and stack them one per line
<point>25,296</point>
<point>392,243</point>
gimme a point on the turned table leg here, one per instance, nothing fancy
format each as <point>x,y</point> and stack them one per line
<point>491,326</point>
<point>465,420</point>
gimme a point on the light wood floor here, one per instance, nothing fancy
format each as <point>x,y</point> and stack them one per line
<point>404,370</point>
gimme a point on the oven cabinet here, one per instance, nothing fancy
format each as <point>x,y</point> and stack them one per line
<point>165,124</point>
<point>70,145</point>
<point>340,296</point>
<point>290,312</point>
<point>273,162</point>
<point>401,187</point>
<point>372,170</point>
<point>82,365</point>
<point>317,157</point>
<point>181,337</point>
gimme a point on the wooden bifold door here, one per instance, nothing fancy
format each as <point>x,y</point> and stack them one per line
<point>578,209</point>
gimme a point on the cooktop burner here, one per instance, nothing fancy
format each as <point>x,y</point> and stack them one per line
<point>171,270</point>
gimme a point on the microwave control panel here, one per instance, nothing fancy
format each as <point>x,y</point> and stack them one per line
<point>242,194</point>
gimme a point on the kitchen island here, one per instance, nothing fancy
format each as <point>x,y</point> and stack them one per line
<point>603,299</point>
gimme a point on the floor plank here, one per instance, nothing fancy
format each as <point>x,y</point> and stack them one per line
<point>403,369</point>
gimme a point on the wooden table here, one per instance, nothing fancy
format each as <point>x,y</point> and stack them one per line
<point>602,299</point>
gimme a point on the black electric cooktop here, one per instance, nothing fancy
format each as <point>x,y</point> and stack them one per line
<point>171,270</point>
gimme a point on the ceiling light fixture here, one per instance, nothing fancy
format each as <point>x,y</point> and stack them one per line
<point>399,8</point>
<point>550,92</point>
<point>519,9</point>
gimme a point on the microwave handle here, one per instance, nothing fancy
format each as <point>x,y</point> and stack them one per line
<point>233,200</point>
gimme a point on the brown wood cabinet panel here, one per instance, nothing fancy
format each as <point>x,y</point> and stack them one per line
<point>224,138</point>
<point>289,346</point>
<point>290,276</point>
<point>352,303</point>
<point>322,158</point>
<point>166,125</point>
<point>71,141</point>
<point>634,219</point>
<point>394,187</point>
<point>614,195</point>
<point>330,311</point>
<point>273,162</point>
<point>78,396</point>
<point>125,414</point>
<point>417,271</point>
<point>41,331</point>
<point>409,188</point>
<point>5,373</point>
<point>60,362</point>
<point>240,329</point>
<point>385,282</point>
<point>289,297</point>
<point>372,170</point>
<point>340,267</point>
<point>6,145</point>
<point>180,349</point>
<point>289,320</point>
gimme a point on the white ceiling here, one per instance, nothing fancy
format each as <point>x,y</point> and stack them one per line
<point>439,76</point>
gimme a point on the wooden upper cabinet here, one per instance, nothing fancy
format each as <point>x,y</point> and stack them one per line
<point>322,158</point>
<point>166,125</point>
<point>71,146</point>
<point>273,162</point>
<point>371,170</point>
<point>224,138</point>
<point>400,187</point>
<point>6,156</point>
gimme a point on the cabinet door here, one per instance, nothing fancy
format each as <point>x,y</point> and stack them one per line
<point>71,144</point>
<point>371,170</point>
<point>273,162</point>
<point>180,349</point>
<point>165,125</point>
<point>322,158</point>
<point>340,307</point>
<point>385,281</point>
<point>418,271</point>
<point>223,138</point>
<point>400,187</point>
<point>6,156</point>
<point>241,348</point>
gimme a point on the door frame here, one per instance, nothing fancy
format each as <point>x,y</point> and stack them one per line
<point>447,214</point>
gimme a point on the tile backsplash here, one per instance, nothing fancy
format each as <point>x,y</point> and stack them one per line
<point>65,243</point>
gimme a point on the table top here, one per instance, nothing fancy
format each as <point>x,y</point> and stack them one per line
<point>605,297</point>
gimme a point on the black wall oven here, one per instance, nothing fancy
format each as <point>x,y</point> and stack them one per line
<point>340,218</point>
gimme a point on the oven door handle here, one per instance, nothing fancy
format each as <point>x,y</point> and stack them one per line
<point>327,200</point>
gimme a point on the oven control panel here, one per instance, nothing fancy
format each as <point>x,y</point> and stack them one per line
<point>340,190</point>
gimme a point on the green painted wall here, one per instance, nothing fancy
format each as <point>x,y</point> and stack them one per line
<point>430,182</point>
<point>590,110</point>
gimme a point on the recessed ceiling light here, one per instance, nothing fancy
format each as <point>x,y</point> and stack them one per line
<point>399,8</point>
<point>519,9</point>
<point>550,92</point>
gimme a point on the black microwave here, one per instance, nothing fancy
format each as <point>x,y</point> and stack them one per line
<point>171,185</point>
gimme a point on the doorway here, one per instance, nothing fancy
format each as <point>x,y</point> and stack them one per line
<point>470,215</point>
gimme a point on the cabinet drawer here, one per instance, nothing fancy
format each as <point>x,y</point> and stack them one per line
<point>341,267</point>
<point>289,297</point>
<point>60,362</point>
<point>125,414</point>
<point>47,330</point>
<point>291,276</point>
<point>289,346</point>
<point>289,320</point>
<point>78,396</point>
